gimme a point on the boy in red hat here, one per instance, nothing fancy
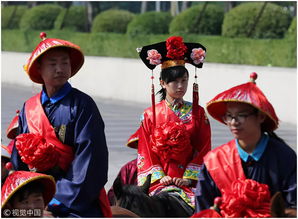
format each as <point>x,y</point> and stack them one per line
<point>252,167</point>
<point>26,194</point>
<point>61,133</point>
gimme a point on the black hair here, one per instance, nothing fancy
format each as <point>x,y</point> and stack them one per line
<point>171,74</point>
<point>25,191</point>
<point>275,136</point>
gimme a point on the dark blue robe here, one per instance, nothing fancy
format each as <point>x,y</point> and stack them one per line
<point>277,168</point>
<point>77,123</point>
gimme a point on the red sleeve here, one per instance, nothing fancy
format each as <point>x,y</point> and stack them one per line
<point>201,141</point>
<point>147,161</point>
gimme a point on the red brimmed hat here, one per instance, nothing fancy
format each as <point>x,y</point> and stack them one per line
<point>133,140</point>
<point>245,93</point>
<point>11,131</point>
<point>18,179</point>
<point>76,56</point>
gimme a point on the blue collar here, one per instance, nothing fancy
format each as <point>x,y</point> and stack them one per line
<point>257,153</point>
<point>58,96</point>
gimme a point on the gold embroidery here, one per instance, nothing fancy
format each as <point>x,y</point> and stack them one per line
<point>61,134</point>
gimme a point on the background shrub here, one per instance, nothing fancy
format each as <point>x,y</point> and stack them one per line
<point>210,23</point>
<point>113,20</point>
<point>292,31</point>
<point>150,23</point>
<point>41,17</point>
<point>73,18</point>
<point>273,23</point>
<point>11,16</point>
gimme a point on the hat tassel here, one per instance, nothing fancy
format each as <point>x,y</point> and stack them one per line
<point>195,94</point>
<point>153,100</point>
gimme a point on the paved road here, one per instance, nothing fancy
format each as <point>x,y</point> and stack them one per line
<point>121,120</point>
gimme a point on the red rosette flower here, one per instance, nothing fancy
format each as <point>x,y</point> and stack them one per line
<point>169,140</point>
<point>36,152</point>
<point>247,198</point>
<point>176,48</point>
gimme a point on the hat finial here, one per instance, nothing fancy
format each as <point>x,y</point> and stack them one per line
<point>43,35</point>
<point>8,166</point>
<point>253,77</point>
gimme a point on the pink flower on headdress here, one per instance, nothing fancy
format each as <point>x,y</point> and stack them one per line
<point>176,48</point>
<point>154,56</point>
<point>198,55</point>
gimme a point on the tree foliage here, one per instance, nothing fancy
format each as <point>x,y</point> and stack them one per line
<point>273,23</point>
<point>41,17</point>
<point>199,20</point>
<point>11,16</point>
<point>150,23</point>
<point>73,18</point>
<point>113,20</point>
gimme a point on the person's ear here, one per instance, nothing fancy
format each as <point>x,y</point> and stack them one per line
<point>262,117</point>
<point>162,84</point>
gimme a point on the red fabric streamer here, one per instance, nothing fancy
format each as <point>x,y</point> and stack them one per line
<point>36,152</point>
<point>246,198</point>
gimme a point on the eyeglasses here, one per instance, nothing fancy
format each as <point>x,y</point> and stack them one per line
<point>238,118</point>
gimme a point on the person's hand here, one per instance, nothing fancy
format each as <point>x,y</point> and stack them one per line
<point>166,180</point>
<point>181,182</point>
<point>47,213</point>
<point>291,212</point>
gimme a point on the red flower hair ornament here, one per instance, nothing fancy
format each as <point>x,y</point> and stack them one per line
<point>36,152</point>
<point>169,140</point>
<point>198,55</point>
<point>175,48</point>
<point>154,57</point>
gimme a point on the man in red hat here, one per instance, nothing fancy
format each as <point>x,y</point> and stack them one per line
<point>61,133</point>
<point>252,167</point>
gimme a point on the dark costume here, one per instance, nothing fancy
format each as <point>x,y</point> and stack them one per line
<point>245,182</point>
<point>64,136</point>
<point>271,169</point>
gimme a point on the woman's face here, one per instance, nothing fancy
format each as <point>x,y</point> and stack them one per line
<point>176,89</point>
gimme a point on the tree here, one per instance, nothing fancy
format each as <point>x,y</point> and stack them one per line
<point>143,7</point>
<point>157,6</point>
<point>185,5</point>
<point>174,8</point>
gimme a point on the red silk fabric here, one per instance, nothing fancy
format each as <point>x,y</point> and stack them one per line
<point>41,148</point>
<point>208,213</point>
<point>241,197</point>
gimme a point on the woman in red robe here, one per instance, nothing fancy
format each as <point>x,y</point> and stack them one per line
<point>174,134</point>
